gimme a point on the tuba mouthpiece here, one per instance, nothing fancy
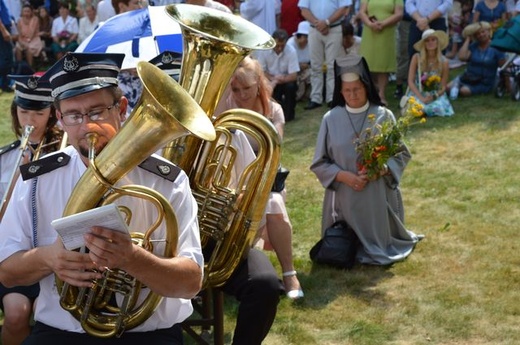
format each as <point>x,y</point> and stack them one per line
<point>92,139</point>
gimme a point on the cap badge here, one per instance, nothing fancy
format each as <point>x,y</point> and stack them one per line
<point>70,64</point>
<point>167,58</point>
<point>32,83</point>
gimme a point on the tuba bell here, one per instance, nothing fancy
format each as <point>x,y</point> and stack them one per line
<point>214,44</point>
<point>164,112</point>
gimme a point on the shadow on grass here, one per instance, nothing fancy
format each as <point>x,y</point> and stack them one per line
<point>324,284</point>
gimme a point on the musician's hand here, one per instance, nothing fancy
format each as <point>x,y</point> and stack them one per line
<point>71,266</point>
<point>109,248</point>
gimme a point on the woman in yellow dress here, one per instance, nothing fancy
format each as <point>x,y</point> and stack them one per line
<point>378,45</point>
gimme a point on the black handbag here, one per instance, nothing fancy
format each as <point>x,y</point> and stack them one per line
<point>279,182</point>
<point>337,248</point>
<point>339,244</point>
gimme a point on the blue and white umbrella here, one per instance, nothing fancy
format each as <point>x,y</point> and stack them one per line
<point>140,34</point>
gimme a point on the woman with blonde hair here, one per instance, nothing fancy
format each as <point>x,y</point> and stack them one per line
<point>250,89</point>
<point>429,72</point>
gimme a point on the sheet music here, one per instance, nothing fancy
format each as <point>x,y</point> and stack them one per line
<point>72,228</point>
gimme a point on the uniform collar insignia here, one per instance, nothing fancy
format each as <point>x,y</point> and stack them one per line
<point>164,169</point>
<point>33,169</point>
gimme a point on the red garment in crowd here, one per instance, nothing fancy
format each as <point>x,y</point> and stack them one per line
<point>228,3</point>
<point>290,16</point>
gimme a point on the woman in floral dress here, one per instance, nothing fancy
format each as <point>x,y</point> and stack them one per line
<point>429,72</point>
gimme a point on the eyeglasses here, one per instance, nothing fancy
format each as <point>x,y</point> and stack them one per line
<point>94,115</point>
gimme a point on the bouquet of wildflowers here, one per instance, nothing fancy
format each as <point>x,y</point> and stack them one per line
<point>430,82</point>
<point>379,142</point>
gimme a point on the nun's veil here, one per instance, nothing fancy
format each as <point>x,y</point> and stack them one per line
<point>352,63</point>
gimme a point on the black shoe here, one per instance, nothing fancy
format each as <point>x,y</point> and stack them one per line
<point>329,104</point>
<point>398,93</point>
<point>312,105</point>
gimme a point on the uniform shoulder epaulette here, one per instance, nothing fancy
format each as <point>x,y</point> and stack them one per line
<point>161,168</point>
<point>9,147</point>
<point>44,165</point>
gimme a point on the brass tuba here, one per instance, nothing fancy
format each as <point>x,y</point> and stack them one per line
<point>165,111</point>
<point>214,44</point>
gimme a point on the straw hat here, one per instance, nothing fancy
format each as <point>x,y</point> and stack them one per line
<point>472,29</point>
<point>442,38</point>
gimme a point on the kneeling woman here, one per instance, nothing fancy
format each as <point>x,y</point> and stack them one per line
<point>371,206</point>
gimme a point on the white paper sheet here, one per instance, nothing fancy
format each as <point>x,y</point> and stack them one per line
<point>72,228</point>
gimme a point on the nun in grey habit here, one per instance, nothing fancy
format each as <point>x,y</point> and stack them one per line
<point>373,208</point>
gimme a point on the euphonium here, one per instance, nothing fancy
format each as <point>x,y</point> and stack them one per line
<point>214,45</point>
<point>164,112</point>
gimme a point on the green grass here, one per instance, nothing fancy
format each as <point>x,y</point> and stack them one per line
<point>461,284</point>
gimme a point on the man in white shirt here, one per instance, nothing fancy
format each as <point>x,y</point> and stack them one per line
<point>105,10</point>
<point>88,101</point>
<point>264,13</point>
<point>299,41</point>
<point>281,67</point>
<point>325,18</point>
<point>88,23</point>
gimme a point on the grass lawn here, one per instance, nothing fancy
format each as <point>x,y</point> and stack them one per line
<point>461,284</point>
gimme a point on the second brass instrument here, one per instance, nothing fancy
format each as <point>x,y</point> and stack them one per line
<point>214,45</point>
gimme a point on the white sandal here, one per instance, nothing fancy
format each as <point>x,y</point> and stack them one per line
<point>293,294</point>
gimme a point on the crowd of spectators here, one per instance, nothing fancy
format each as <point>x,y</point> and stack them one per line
<point>42,30</point>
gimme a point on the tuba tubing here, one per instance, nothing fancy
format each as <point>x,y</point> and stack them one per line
<point>250,196</point>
